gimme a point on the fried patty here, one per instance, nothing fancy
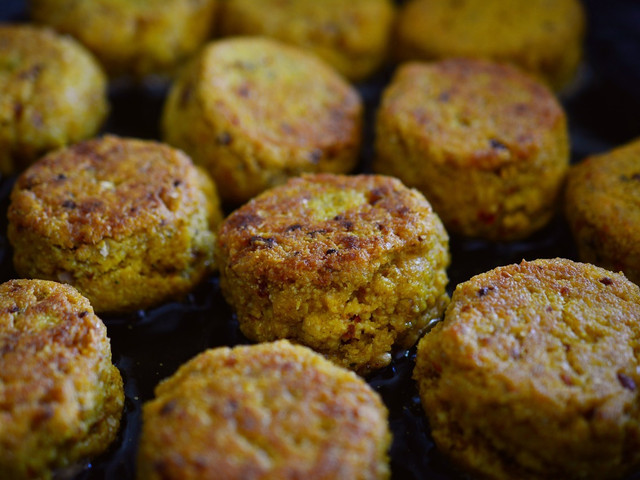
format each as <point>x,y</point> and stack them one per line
<point>351,36</point>
<point>133,37</point>
<point>268,411</point>
<point>351,266</point>
<point>486,144</point>
<point>535,373</point>
<point>61,396</point>
<point>543,37</point>
<point>255,112</point>
<point>602,205</point>
<point>53,93</point>
<point>130,223</point>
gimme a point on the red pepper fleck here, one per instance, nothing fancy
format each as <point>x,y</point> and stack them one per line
<point>487,217</point>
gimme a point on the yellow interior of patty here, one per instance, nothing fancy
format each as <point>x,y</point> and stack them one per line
<point>334,202</point>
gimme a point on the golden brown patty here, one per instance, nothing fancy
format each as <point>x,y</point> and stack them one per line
<point>535,373</point>
<point>53,94</point>
<point>61,397</point>
<point>254,112</point>
<point>130,223</point>
<point>351,266</point>
<point>603,209</point>
<point>351,36</point>
<point>486,144</point>
<point>543,37</point>
<point>136,37</point>
<point>269,411</point>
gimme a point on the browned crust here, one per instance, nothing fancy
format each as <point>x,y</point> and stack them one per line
<point>118,187</point>
<point>60,396</point>
<point>543,37</point>
<point>352,266</point>
<point>284,225</point>
<point>130,223</point>
<point>474,113</point>
<point>254,112</point>
<point>351,36</point>
<point>534,373</point>
<point>132,37</point>
<point>53,93</point>
<point>268,411</point>
<point>603,209</point>
<point>485,143</point>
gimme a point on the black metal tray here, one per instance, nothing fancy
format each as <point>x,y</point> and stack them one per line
<point>603,108</point>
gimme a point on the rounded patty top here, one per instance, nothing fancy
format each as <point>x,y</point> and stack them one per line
<point>323,225</point>
<point>106,188</point>
<point>473,112</point>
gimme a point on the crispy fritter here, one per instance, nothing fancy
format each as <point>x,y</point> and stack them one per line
<point>130,223</point>
<point>268,411</point>
<point>134,37</point>
<point>603,209</point>
<point>61,397</point>
<point>53,93</point>
<point>535,373</point>
<point>351,266</point>
<point>486,144</point>
<point>543,37</point>
<point>255,112</point>
<point>351,36</point>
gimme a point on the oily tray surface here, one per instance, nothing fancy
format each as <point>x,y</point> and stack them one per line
<point>147,347</point>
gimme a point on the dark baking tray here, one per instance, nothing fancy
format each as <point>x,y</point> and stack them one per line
<point>603,107</point>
